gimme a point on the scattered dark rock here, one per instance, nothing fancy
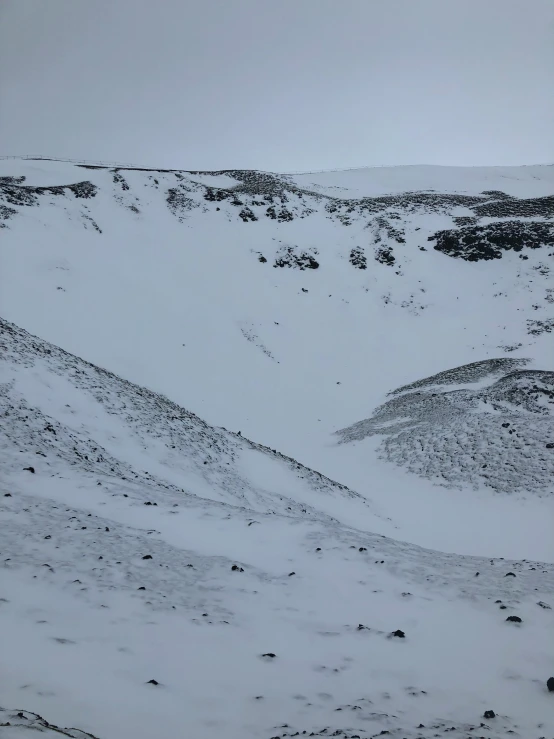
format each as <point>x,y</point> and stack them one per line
<point>270,655</point>
<point>291,257</point>
<point>489,714</point>
<point>399,633</point>
<point>514,619</point>
<point>29,469</point>
<point>291,574</point>
<point>247,215</point>
<point>550,684</point>
<point>542,604</point>
<point>385,256</point>
<point>236,568</point>
<point>152,682</point>
<point>357,258</point>
<point>509,574</point>
<point>147,556</point>
<point>362,549</point>
<point>7,495</point>
<point>477,243</point>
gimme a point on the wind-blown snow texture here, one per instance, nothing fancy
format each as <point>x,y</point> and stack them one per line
<point>162,575</point>
<point>499,435</point>
<point>115,570</point>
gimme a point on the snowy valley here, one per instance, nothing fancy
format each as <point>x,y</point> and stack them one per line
<point>277,452</point>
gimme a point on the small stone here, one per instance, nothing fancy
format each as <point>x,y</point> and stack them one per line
<point>270,655</point>
<point>514,619</point>
<point>147,556</point>
<point>29,469</point>
<point>362,549</point>
<point>399,633</point>
<point>7,495</point>
<point>550,684</point>
<point>236,568</point>
<point>489,714</point>
<point>542,604</point>
<point>509,574</point>
<point>291,574</point>
<point>152,682</point>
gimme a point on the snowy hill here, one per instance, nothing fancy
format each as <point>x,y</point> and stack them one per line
<point>255,613</point>
<point>287,307</point>
<point>463,434</point>
<point>187,486</point>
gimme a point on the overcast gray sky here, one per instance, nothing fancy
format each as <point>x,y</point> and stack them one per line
<point>278,84</point>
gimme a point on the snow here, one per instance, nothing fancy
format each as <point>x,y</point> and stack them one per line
<point>214,180</point>
<point>176,300</point>
<point>530,181</point>
<point>185,307</point>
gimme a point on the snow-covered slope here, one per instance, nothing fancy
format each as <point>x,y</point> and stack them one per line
<point>287,307</point>
<point>489,422</point>
<point>154,558</point>
<point>162,577</point>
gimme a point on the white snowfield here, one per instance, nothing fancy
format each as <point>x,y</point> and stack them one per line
<point>163,576</point>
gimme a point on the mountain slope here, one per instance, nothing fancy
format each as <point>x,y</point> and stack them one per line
<point>488,423</point>
<point>287,307</point>
<point>217,606</point>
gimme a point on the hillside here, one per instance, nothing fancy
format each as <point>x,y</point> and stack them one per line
<point>255,613</point>
<point>490,421</point>
<point>277,452</point>
<point>287,307</point>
